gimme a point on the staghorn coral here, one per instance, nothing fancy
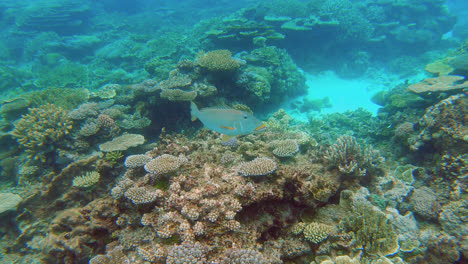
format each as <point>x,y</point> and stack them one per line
<point>284,148</point>
<point>123,142</point>
<point>346,155</point>
<point>42,130</point>
<point>165,164</point>
<point>89,179</point>
<point>258,167</point>
<point>135,161</point>
<point>218,61</point>
<point>113,157</point>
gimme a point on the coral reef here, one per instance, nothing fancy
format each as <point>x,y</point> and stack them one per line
<point>100,164</point>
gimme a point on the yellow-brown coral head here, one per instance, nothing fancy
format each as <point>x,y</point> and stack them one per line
<point>218,61</point>
<point>42,130</point>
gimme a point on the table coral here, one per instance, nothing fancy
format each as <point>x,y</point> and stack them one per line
<point>284,148</point>
<point>439,84</point>
<point>258,167</point>
<point>165,164</point>
<point>123,142</point>
<point>135,161</point>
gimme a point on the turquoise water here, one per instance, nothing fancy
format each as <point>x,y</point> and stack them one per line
<point>337,131</point>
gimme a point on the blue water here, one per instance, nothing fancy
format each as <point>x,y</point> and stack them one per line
<point>100,161</point>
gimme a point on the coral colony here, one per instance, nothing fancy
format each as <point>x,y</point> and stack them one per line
<point>100,162</point>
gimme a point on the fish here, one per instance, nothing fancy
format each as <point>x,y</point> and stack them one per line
<point>228,121</point>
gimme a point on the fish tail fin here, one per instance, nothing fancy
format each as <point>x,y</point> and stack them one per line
<point>193,111</point>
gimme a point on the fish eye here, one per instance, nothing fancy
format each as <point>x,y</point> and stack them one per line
<point>245,117</point>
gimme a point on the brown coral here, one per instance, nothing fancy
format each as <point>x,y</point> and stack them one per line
<point>165,164</point>
<point>42,130</point>
<point>123,142</point>
<point>218,61</point>
<point>284,148</point>
<point>257,167</point>
<point>346,155</point>
<point>134,161</point>
<point>438,84</point>
<point>178,95</point>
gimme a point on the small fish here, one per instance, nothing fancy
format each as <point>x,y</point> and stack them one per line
<point>227,121</point>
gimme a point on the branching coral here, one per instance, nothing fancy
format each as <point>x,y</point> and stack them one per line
<point>313,232</point>
<point>346,155</point>
<point>87,180</point>
<point>42,130</point>
<point>218,61</point>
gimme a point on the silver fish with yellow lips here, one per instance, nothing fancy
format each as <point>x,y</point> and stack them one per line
<point>227,121</point>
